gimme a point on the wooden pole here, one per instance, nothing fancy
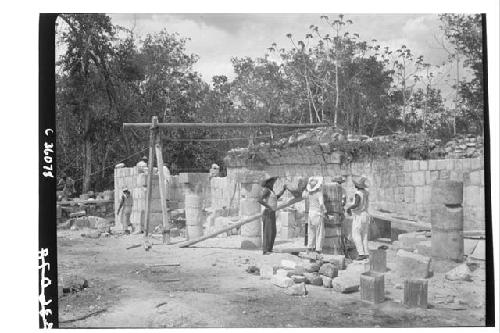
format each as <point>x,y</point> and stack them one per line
<point>150,181</point>
<point>163,183</point>
<point>236,225</point>
<point>226,125</point>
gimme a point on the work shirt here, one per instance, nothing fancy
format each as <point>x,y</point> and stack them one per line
<point>128,202</point>
<point>316,203</point>
<point>363,201</point>
<point>272,199</point>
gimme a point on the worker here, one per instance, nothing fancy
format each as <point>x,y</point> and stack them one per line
<point>214,171</point>
<point>126,202</point>
<point>269,200</point>
<point>361,218</point>
<point>316,217</point>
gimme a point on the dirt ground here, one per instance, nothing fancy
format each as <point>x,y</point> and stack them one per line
<point>214,290</point>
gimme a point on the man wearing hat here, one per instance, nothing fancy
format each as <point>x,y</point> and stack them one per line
<point>317,211</point>
<point>361,218</point>
<point>269,200</point>
<point>126,203</point>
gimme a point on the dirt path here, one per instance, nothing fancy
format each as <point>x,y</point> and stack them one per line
<point>215,290</point>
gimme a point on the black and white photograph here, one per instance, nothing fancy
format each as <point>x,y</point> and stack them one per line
<point>265,170</point>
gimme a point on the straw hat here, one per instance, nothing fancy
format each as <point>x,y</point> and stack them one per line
<point>125,189</point>
<point>319,182</point>
<point>361,182</point>
<point>266,182</point>
<point>338,179</point>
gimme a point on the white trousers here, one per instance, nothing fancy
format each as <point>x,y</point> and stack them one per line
<point>360,226</point>
<point>316,232</point>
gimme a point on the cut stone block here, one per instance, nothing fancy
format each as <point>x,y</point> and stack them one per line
<point>346,283</point>
<point>336,259</point>
<point>297,290</point>
<point>282,272</point>
<point>266,271</point>
<point>411,239</point>
<point>298,278</point>
<point>311,267</point>
<point>288,264</point>
<point>424,248</point>
<point>447,192</point>
<point>459,273</point>
<point>412,265</point>
<point>372,287</point>
<point>327,281</point>
<point>329,270</point>
<point>299,270</point>
<point>479,251</point>
<point>378,261</point>
<point>282,281</point>
<point>415,293</point>
<point>313,278</point>
<point>470,246</point>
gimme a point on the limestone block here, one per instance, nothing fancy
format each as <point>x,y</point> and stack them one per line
<point>298,278</point>
<point>476,177</point>
<point>328,270</point>
<point>423,194</point>
<point>480,251</point>
<point>282,281</point>
<point>249,207</point>
<point>444,174</point>
<point>412,265</point>
<point>251,243</point>
<point>432,165</point>
<point>288,264</point>
<point>424,165</point>
<point>372,287</point>
<point>327,281</point>
<point>313,278</point>
<point>296,290</point>
<point>266,271</point>
<point>378,261</point>
<point>346,283</point>
<point>424,248</point>
<point>441,164</point>
<point>415,293</point>
<point>447,192</point>
<point>418,178</point>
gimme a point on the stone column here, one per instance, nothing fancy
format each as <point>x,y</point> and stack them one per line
<point>447,220</point>
<point>251,233</point>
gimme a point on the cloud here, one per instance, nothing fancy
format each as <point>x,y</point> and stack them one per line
<point>216,38</point>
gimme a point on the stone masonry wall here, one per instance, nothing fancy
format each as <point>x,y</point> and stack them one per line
<point>396,185</point>
<point>136,181</point>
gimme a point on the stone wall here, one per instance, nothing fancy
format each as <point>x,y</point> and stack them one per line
<point>135,179</point>
<point>396,185</point>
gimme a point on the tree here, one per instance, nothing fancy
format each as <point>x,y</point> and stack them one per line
<point>88,83</point>
<point>464,32</point>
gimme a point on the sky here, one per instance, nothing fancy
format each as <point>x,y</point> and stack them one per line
<point>216,38</point>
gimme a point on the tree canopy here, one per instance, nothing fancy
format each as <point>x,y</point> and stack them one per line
<point>106,76</point>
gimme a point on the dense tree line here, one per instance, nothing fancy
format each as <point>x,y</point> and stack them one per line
<point>107,76</point>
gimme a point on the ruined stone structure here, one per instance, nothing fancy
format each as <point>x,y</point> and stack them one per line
<point>396,185</point>
<point>135,179</point>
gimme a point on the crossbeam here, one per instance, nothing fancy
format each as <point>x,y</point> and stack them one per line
<point>224,125</point>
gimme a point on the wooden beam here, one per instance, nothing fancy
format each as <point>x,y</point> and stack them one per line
<point>225,125</point>
<point>163,185</point>
<point>236,225</point>
<point>150,177</point>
